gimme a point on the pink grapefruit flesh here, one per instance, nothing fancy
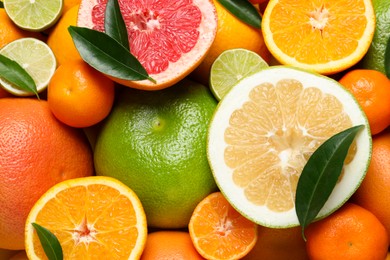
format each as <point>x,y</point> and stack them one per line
<point>169,38</point>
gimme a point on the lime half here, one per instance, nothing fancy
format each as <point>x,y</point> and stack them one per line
<point>35,57</point>
<point>34,15</point>
<point>230,67</point>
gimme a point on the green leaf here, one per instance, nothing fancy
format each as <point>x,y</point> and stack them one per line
<point>244,11</point>
<point>12,72</point>
<point>114,25</point>
<point>49,242</point>
<point>320,175</point>
<point>387,59</point>
<point>1,5</point>
<point>107,55</point>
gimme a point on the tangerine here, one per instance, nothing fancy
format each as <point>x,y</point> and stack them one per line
<point>36,152</point>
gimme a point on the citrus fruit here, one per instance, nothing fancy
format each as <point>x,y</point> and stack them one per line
<point>373,193</point>
<point>169,245</point>
<point>230,67</point>
<point>34,15</point>
<point>218,231</point>
<point>155,142</point>
<point>80,96</point>
<point>323,36</point>
<point>375,56</point>
<point>278,244</point>
<point>169,38</point>
<point>231,33</point>
<point>36,152</point>
<point>92,217</point>
<point>21,255</point>
<point>9,31</point>
<point>35,57</point>
<point>68,4</point>
<point>371,88</point>
<point>350,233</point>
<point>60,40</point>
<point>264,131</point>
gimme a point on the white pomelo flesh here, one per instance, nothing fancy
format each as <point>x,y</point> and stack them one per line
<point>234,182</point>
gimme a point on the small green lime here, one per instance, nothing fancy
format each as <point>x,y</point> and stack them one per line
<point>230,67</point>
<point>375,56</point>
<point>155,142</point>
<point>34,15</point>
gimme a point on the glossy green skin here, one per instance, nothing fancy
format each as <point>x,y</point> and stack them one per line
<point>155,142</point>
<point>375,56</point>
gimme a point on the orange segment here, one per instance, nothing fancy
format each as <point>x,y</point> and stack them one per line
<point>95,217</point>
<point>325,36</point>
<point>218,231</point>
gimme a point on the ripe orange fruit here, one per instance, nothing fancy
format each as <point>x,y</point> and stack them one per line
<point>371,88</point>
<point>79,95</point>
<point>69,4</point>
<point>374,193</point>
<point>169,245</point>
<point>218,231</point>
<point>9,31</point>
<point>350,233</point>
<point>278,244</point>
<point>92,217</point>
<point>170,39</point>
<point>319,35</point>
<point>36,152</point>
<point>59,39</point>
<point>231,33</point>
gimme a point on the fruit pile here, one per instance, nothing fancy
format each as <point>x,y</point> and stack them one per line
<point>194,129</point>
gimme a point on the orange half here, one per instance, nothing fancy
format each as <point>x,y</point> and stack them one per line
<point>218,231</point>
<point>92,217</point>
<point>320,35</point>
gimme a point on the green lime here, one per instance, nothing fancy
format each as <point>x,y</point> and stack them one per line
<point>375,56</point>
<point>155,142</point>
<point>35,57</point>
<point>34,15</point>
<point>230,67</point>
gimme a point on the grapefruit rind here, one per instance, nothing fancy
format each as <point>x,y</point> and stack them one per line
<point>188,61</point>
<point>354,172</point>
<point>85,181</point>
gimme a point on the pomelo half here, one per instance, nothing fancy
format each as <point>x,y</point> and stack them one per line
<point>169,38</point>
<point>264,131</point>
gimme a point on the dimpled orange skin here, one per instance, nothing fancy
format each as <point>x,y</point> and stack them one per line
<point>36,152</point>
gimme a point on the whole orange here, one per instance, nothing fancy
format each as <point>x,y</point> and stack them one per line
<point>374,192</point>
<point>169,245</point>
<point>79,95</point>
<point>36,152</point>
<point>350,233</point>
<point>371,88</point>
<point>278,244</point>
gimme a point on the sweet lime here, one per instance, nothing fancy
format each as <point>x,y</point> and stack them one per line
<point>155,142</point>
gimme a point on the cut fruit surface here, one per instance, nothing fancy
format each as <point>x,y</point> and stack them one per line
<point>264,131</point>
<point>230,67</point>
<point>324,36</point>
<point>35,57</point>
<point>34,15</point>
<point>218,231</point>
<point>169,38</point>
<point>92,217</point>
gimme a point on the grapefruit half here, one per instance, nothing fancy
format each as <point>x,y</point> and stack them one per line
<point>169,38</point>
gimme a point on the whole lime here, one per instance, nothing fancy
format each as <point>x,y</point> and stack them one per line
<point>375,56</point>
<point>155,142</point>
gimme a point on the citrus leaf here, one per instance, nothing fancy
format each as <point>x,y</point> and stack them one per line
<point>11,71</point>
<point>114,25</point>
<point>49,242</point>
<point>387,59</point>
<point>1,5</point>
<point>244,11</point>
<point>320,175</point>
<point>107,55</point>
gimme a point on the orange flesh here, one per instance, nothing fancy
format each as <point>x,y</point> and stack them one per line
<point>94,222</point>
<point>271,137</point>
<point>307,29</point>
